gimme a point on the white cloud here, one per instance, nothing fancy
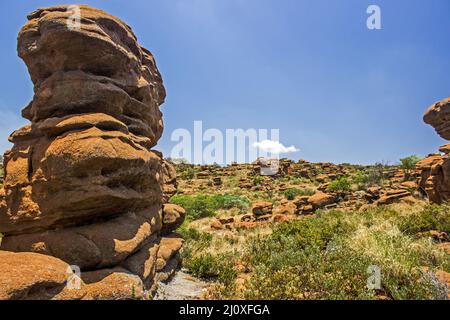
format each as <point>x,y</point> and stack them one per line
<point>274,147</point>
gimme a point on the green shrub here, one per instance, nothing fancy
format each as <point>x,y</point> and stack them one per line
<point>376,174</point>
<point>220,267</point>
<point>291,193</point>
<point>361,179</point>
<point>188,173</point>
<point>258,180</point>
<point>432,217</point>
<point>203,206</point>
<point>229,201</point>
<point>197,207</point>
<point>328,257</point>
<point>340,185</point>
<point>408,164</point>
<point>202,239</point>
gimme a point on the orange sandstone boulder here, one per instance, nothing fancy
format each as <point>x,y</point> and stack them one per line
<point>262,208</point>
<point>437,116</point>
<point>321,199</point>
<point>82,182</point>
<point>435,169</point>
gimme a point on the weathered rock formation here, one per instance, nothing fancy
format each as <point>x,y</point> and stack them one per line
<point>81,181</point>
<point>435,169</point>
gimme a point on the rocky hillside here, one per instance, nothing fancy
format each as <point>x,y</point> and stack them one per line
<point>269,237</point>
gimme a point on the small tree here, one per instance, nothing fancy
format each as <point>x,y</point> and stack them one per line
<point>408,164</point>
<point>361,178</point>
<point>340,185</point>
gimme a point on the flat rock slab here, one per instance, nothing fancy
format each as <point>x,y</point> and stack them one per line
<point>181,287</point>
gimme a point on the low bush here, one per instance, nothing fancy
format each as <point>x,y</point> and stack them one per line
<point>408,164</point>
<point>187,173</point>
<point>340,185</point>
<point>229,201</point>
<point>202,206</point>
<point>432,217</point>
<point>201,239</point>
<point>372,176</point>
<point>258,180</point>
<point>332,257</point>
<point>291,193</point>
<point>207,266</point>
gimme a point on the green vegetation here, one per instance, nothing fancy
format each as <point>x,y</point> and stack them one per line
<point>372,176</point>
<point>193,235</point>
<point>292,193</point>
<point>432,217</point>
<point>361,179</point>
<point>331,257</point>
<point>408,164</point>
<point>340,185</point>
<point>219,267</point>
<point>326,256</point>
<point>202,206</point>
<point>258,180</point>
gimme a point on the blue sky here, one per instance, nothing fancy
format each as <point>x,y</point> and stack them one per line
<point>336,90</point>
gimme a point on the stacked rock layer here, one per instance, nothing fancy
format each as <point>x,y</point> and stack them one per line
<point>81,181</point>
<point>435,169</point>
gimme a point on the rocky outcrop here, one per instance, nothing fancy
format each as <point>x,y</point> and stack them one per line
<point>438,116</point>
<point>82,183</point>
<point>435,169</point>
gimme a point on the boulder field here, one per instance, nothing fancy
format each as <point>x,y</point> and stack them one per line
<point>82,185</point>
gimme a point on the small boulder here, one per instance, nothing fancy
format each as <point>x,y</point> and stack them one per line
<point>262,208</point>
<point>217,181</point>
<point>409,185</point>
<point>321,199</point>
<point>288,208</point>
<point>445,148</point>
<point>226,220</point>
<point>25,276</point>
<point>173,217</point>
